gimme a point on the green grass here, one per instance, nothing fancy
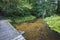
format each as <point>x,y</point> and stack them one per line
<point>22,19</point>
<point>53,22</point>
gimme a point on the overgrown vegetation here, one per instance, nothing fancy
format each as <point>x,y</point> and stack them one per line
<point>25,10</point>
<point>21,19</point>
<point>37,8</point>
<point>54,22</point>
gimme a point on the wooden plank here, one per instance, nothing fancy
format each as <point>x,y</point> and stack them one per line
<point>7,31</point>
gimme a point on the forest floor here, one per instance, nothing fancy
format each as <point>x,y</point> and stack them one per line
<point>37,30</point>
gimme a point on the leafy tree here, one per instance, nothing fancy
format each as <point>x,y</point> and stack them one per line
<point>43,7</point>
<point>58,9</point>
<point>38,8</point>
<point>9,6</point>
<point>14,8</point>
<point>24,8</point>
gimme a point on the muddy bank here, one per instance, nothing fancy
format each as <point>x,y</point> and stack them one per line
<point>37,30</point>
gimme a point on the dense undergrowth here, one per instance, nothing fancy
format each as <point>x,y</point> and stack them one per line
<point>53,22</point>
<point>22,11</point>
<point>21,19</point>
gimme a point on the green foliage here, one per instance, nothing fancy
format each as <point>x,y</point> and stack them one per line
<point>22,19</point>
<point>8,6</point>
<point>38,8</point>
<point>58,9</point>
<point>22,8</point>
<point>53,22</point>
<point>14,8</point>
<point>43,7</point>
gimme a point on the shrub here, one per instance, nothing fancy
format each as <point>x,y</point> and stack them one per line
<point>53,22</point>
<point>21,19</point>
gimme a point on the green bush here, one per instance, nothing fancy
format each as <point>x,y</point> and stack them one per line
<point>21,19</point>
<point>53,22</point>
<point>43,8</point>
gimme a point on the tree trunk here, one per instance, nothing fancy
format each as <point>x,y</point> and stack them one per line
<point>58,9</point>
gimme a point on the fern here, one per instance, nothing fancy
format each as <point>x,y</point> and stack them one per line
<point>53,22</point>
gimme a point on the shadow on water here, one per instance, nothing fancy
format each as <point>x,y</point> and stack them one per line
<point>37,30</point>
<point>54,35</point>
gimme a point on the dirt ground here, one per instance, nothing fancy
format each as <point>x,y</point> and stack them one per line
<point>36,30</point>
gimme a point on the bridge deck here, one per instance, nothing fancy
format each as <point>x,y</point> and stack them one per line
<point>7,32</point>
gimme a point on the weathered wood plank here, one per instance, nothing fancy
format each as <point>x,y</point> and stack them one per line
<point>7,31</point>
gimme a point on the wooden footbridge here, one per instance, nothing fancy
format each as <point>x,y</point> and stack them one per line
<point>8,32</point>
